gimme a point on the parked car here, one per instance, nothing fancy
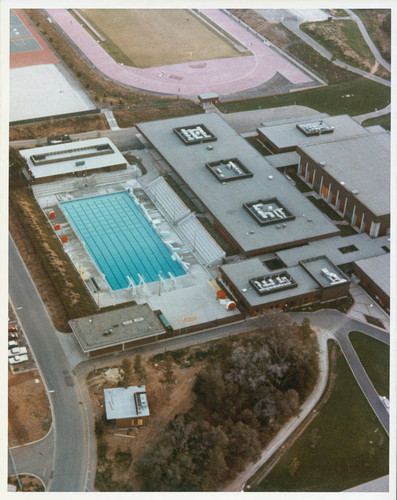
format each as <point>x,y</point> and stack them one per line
<point>12,343</point>
<point>12,328</point>
<point>17,350</point>
<point>18,359</point>
<point>13,335</point>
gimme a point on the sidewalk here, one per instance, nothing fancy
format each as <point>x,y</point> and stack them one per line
<point>364,305</point>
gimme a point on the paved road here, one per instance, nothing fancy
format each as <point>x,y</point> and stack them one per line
<point>35,458</point>
<point>370,43</point>
<point>70,455</point>
<point>341,325</point>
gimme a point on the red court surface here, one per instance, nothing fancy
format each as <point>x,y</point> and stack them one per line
<point>34,57</point>
<point>222,76</point>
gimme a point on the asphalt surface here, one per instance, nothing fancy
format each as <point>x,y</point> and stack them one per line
<point>341,325</point>
<point>34,458</point>
<point>71,443</point>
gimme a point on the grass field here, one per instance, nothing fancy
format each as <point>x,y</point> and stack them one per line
<point>374,355</point>
<point>344,446</point>
<point>147,38</point>
<point>365,96</point>
<point>344,40</point>
<point>383,121</point>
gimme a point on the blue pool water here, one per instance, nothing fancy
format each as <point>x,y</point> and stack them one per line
<point>120,240</point>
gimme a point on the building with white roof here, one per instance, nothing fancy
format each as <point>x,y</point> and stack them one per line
<point>127,406</point>
<point>79,158</point>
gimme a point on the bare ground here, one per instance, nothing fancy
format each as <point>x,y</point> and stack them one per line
<point>165,401</point>
<point>39,275</point>
<point>29,413</point>
<point>46,128</point>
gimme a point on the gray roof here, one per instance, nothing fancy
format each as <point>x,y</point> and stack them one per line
<point>68,151</point>
<point>283,159</point>
<point>241,272</point>
<point>120,402</point>
<point>366,247</point>
<point>285,135</point>
<point>363,164</point>
<point>324,271</point>
<point>378,270</point>
<point>128,324</point>
<point>225,201</point>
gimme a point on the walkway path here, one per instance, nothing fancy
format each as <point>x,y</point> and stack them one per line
<point>378,56</point>
<point>374,114</point>
<point>110,119</point>
<point>294,27</point>
<point>223,76</point>
<point>329,324</point>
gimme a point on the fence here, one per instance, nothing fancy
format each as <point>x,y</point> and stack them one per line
<point>55,117</point>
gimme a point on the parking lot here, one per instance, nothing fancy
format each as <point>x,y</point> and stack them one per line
<point>20,358</point>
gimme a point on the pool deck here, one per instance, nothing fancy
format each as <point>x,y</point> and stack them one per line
<point>190,300</point>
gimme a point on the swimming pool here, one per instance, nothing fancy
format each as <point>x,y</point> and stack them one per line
<point>120,239</point>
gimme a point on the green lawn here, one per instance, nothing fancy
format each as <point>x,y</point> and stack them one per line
<point>344,446</point>
<point>365,96</point>
<point>344,40</point>
<point>382,120</point>
<point>374,355</point>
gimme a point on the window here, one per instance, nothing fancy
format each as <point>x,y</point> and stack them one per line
<point>140,421</point>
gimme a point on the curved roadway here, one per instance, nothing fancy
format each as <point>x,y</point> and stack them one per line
<point>69,469</point>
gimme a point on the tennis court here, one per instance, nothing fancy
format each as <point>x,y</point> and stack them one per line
<point>120,239</point>
<point>21,39</point>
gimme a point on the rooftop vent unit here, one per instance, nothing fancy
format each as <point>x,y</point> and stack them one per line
<point>80,163</point>
<point>323,163</point>
<point>210,148</point>
<point>354,191</point>
<point>270,177</point>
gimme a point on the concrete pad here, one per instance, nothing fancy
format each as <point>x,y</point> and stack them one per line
<point>43,90</point>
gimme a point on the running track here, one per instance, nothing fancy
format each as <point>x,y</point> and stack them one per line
<point>222,76</point>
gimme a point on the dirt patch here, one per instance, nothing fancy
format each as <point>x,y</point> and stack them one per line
<point>165,401</point>
<point>46,289</point>
<point>75,125</point>
<point>28,483</point>
<point>29,413</point>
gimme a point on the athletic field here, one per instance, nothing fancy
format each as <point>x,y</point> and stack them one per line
<point>147,38</point>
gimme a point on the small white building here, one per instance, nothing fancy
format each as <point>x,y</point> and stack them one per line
<point>128,406</point>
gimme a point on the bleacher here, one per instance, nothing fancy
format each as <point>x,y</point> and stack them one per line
<point>163,195</point>
<point>200,241</point>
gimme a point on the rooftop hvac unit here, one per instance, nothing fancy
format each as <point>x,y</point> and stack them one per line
<point>80,163</point>
<point>323,163</point>
<point>354,191</point>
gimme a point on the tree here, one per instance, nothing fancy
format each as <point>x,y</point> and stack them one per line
<point>293,466</point>
<point>139,368</point>
<point>127,372</point>
<point>306,328</point>
<point>169,372</point>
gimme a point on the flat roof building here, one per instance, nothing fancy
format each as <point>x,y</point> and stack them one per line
<point>128,406</point>
<point>201,166</point>
<point>47,163</point>
<point>259,289</point>
<point>374,274</point>
<point>346,163</point>
<point>289,134</point>
<point>116,330</point>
